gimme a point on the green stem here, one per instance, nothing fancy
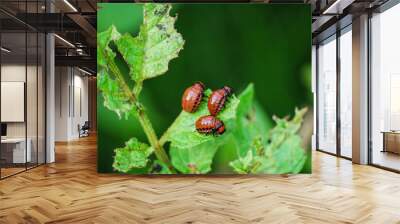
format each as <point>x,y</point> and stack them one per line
<point>142,117</point>
<point>164,137</point>
<point>120,78</point>
<point>151,135</point>
<point>137,88</point>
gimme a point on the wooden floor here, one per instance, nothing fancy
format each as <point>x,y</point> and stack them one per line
<point>5,172</point>
<point>387,159</point>
<point>70,191</point>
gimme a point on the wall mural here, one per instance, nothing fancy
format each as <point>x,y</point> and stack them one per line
<point>219,89</point>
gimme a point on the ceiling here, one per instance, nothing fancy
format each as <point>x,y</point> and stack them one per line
<point>74,22</point>
<point>331,15</point>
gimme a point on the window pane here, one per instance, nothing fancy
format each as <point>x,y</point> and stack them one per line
<point>14,153</point>
<point>31,97</point>
<point>327,96</point>
<point>32,87</point>
<point>385,89</point>
<point>346,94</point>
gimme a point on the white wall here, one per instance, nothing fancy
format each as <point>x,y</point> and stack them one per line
<point>71,94</point>
<point>16,73</point>
<point>61,103</point>
<point>33,126</point>
<point>13,101</point>
<point>80,110</point>
<point>12,73</point>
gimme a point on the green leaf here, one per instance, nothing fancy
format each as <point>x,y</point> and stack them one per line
<point>284,153</point>
<point>196,160</point>
<point>246,100</point>
<point>182,133</point>
<point>283,126</point>
<point>158,42</point>
<point>104,52</point>
<point>242,136</point>
<point>243,165</point>
<point>134,155</point>
<point>192,152</point>
<point>114,98</point>
<point>250,162</point>
<point>288,157</point>
<point>250,121</point>
<point>279,152</point>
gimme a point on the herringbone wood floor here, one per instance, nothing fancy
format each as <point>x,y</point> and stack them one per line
<point>70,191</point>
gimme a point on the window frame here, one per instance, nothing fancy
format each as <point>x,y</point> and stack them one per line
<point>381,9</point>
<point>338,33</point>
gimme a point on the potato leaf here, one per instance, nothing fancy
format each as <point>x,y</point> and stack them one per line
<point>284,127</point>
<point>196,160</point>
<point>192,152</point>
<point>158,42</point>
<point>277,153</point>
<point>246,100</point>
<point>104,52</point>
<point>284,153</point>
<point>288,157</point>
<point>134,155</point>
<point>182,133</point>
<point>243,165</point>
<point>114,99</point>
<point>250,122</point>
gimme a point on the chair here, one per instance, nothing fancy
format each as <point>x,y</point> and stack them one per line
<point>84,130</point>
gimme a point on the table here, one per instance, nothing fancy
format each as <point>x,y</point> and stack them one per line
<point>391,141</point>
<point>18,151</point>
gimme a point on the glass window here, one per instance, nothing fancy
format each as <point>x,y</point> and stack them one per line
<point>385,89</point>
<point>327,95</point>
<point>346,92</point>
<point>22,92</point>
<point>14,153</point>
<point>31,99</point>
<point>41,98</point>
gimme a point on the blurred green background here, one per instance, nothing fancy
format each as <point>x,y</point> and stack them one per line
<point>225,44</point>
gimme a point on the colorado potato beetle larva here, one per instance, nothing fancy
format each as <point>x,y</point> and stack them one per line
<point>210,125</point>
<point>218,99</point>
<point>192,97</point>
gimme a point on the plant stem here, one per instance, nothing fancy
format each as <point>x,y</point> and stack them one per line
<point>165,136</point>
<point>151,135</point>
<point>137,88</point>
<point>142,117</point>
<point>120,78</point>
